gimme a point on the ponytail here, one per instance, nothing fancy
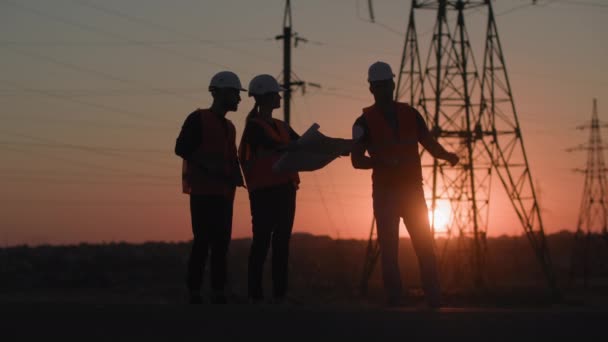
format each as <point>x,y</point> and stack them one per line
<point>244,152</point>
<point>255,111</point>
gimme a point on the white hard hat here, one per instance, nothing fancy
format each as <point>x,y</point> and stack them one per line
<point>263,84</point>
<point>226,79</point>
<point>379,71</point>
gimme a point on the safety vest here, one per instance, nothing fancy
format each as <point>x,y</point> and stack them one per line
<point>394,153</point>
<point>218,146</point>
<point>257,164</point>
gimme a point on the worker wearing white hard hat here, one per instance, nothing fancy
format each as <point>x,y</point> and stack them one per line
<point>379,71</point>
<point>225,79</point>
<point>210,175</point>
<point>264,84</point>
<point>272,194</point>
<point>390,131</point>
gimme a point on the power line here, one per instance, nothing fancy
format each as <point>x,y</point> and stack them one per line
<point>73,174</point>
<point>373,21</point>
<point>107,152</point>
<point>550,2</point>
<point>141,21</point>
<point>328,173</point>
<point>101,74</point>
<point>81,147</point>
<point>526,5</point>
<point>582,3</point>
<point>103,107</point>
<point>111,34</point>
<point>134,19</point>
<point>81,123</point>
<point>61,95</point>
<point>514,9</point>
<point>101,92</point>
<point>88,44</point>
<point>50,177</point>
<point>321,196</point>
<point>568,79</point>
<point>93,181</point>
<point>346,47</point>
<point>86,202</point>
<point>60,181</point>
<point>76,162</point>
<point>340,95</point>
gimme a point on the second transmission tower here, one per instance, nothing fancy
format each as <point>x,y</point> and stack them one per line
<point>591,237</point>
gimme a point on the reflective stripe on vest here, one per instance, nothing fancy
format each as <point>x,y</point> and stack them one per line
<point>257,164</point>
<point>217,145</point>
<point>394,152</point>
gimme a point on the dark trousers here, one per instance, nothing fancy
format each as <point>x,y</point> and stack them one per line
<point>407,202</point>
<point>272,211</point>
<point>212,229</point>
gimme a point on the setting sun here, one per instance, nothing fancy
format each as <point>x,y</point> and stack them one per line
<point>442,216</point>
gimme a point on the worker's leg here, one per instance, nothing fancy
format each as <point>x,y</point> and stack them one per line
<point>220,241</point>
<point>386,212</point>
<point>200,245</point>
<point>415,216</point>
<point>263,221</point>
<point>286,209</point>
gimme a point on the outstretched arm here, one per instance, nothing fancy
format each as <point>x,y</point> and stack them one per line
<point>437,151</point>
<point>433,146</point>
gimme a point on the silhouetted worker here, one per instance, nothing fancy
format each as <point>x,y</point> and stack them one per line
<point>390,132</point>
<point>210,175</point>
<point>272,195</point>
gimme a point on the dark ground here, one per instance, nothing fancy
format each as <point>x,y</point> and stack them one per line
<point>112,291</point>
<point>79,322</point>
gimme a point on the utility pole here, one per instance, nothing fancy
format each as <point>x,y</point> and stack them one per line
<point>286,37</point>
<point>592,226</point>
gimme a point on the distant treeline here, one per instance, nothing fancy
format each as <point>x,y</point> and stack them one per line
<point>321,269</point>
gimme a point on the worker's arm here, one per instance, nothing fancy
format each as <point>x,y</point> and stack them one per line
<point>342,146</point>
<point>430,144</point>
<point>359,159</point>
<point>187,146</point>
<point>357,155</point>
<point>437,151</point>
<point>189,137</point>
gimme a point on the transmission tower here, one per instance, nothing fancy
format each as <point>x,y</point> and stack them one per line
<point>593,215</point>
<point>471,111</point>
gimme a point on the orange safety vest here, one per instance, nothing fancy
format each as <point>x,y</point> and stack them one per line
<point>394,153</point>
<point>257,165</point>
<point>218,144</point>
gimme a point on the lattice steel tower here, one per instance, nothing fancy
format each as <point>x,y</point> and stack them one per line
<point>593,215</point>
<point>472,112</point>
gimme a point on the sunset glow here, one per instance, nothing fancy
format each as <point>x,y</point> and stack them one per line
<point>442,216</point>
<point>91,112</point>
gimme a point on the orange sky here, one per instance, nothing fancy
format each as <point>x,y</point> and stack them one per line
<point>124,76</point>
